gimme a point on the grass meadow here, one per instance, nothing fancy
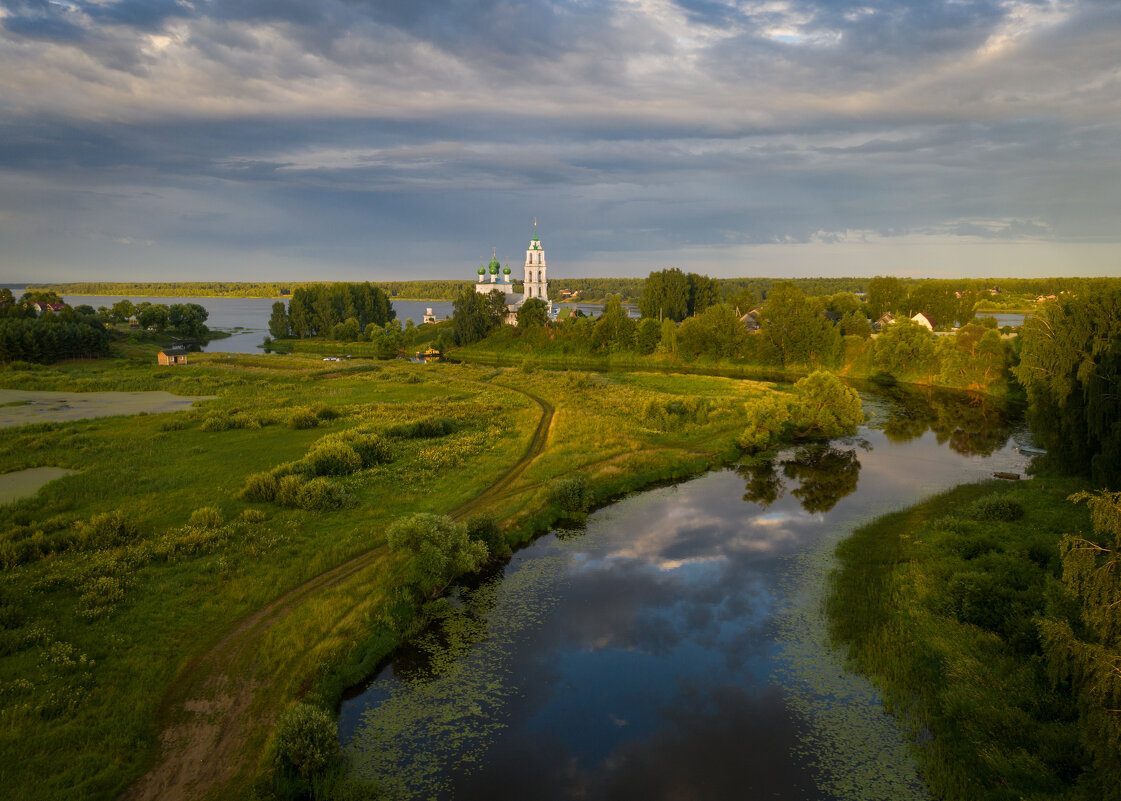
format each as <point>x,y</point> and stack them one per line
<point>116,579</point>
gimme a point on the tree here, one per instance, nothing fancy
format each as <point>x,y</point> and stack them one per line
<point>703,292</point>
<point>439,549</point>
<point>937,300</point>
<point>971,359</point>
<point>122,310</point>
<point>1087,653</point>
<point>665,295</point>
<point>614,330</point>
<point>532,313</point>
<point>472,317</point>
<point>647,335</point>
<point>279,326</point>
<point>153,315</point>
<point>905,348</point>
<point>307,739</point>
<point>1070,366</point>
<point>826,407</point>
<point>765,420</point>
<point>885,294</point>
<point>795,329</point>
<point>741,299</point>
<point>188,319</point>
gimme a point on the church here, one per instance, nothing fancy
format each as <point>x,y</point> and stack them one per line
<point>535,284</point>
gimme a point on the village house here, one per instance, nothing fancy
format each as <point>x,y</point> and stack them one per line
<point>172,356</point>
<point>925,320</point>
<point>42,308</point>
<point>887,318</point>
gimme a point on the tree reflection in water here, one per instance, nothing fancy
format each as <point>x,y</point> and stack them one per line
<point>824,473</point>
<point>970,424</point>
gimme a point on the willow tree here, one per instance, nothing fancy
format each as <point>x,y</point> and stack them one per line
<point>1070,366</point>
<point>1087,651</point>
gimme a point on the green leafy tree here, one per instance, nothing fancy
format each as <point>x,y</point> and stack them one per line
<point>885,294</point>
<point>307,739</point>
<point>855,324</point>
<point>703,292</point>
<point>1086,651</point>
<point>279,325</point>
<point>665,295</point>
<point>765,420</point>
<point>647,335</point>
<point>439,549</point>
<point>795,329</point>
<point>472,316</point>
<point>826,406</point>
<point>742,299</point>
<point>614,330</point>
<point>122,310</point>
<point>937,300</point>
<point>974,358</point>
<point>154,315</point>
<point>905,348</point>
<point>188,319</point>
<point>532,314</point>
<point>1070,367</point>
<point>668,340</point>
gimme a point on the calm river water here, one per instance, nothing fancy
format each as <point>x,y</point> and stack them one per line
<point>674,648</point>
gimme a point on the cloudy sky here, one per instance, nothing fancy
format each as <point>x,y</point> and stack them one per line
<point>368,139</point>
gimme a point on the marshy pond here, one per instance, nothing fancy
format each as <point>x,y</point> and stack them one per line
<point>675,645</point>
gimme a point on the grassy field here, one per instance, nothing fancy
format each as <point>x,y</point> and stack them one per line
<point>939,604</point>
<point>124,584</point>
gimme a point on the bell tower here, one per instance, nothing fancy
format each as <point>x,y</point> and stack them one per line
<point>535,284</point>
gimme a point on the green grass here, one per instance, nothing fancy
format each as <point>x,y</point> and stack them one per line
<point>938,607</point>
<point>99,622</point>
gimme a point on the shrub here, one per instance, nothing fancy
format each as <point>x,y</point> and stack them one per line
<point>307,739</point>
<point>206,517</point>
<point>372,449</point>
<point>100,597</point>
<point>995,507</point>
<point>324,412</point>
<point>259,487</point>
<point>107,529</point>
<point>439,547</point>
<point>321,494</point>
<point>177,423</point>
<point>217,421</point>
<point>333,458</point>
<point>288,490</point>
<point>422,429</point>
<point>485,529</point>
<point>253,516</point>
<point>570,494</point>
<point>302,418</point>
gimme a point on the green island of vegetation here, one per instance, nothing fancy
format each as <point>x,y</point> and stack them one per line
<point>265,549</point>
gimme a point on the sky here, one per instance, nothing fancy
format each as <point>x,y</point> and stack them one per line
<point>284,140</point>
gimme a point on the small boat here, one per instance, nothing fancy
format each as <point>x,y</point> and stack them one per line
<point>1009,476</point>
<point>1030,451</point>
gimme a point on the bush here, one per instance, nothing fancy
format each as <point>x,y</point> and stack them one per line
<point>485,529</point>
<point>177,423</point>
<point>324,412</point>
<point>288,490</point>
<point>439,548</point>
<point>206,517</point>
<point>217,421</point>
<point>995,507</point>
<point>372,449</point>
<point>422,429</point>
<point>253,516</point>
<point>321,494</point>
<point>99,598</point>
<point>333,458</point>
<point>302,419</point>
<point>307,739</point>
<point>570,494</point>
<point>259,487</point>
<point>107,529</point>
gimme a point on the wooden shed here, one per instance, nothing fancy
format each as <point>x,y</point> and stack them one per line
<point>172,356</point>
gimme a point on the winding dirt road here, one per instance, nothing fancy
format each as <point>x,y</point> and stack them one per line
<point>206,716</point>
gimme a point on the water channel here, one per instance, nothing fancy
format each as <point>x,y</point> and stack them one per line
<point>674,646</point>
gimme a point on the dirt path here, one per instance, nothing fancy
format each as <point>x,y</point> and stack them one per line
<point>206,716</point>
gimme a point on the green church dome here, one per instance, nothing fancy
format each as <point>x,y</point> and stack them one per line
<point>506,269</point>
<point>495,267</point>
<point>482,269</point>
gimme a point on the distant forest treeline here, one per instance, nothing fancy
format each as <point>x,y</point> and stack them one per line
<point>589,289</point>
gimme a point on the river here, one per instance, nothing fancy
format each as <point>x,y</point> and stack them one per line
<point>674,646</point>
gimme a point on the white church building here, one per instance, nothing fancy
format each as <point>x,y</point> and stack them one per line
<point>495,277</point>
